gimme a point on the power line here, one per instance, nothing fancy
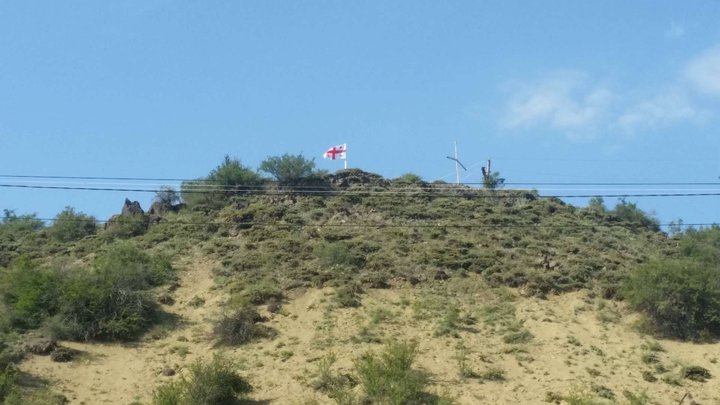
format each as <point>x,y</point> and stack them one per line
<point>368,225</point>
<point>514,183</point>
<point>334,192</point>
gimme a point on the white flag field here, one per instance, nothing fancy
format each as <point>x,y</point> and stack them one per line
<point>336,152</point>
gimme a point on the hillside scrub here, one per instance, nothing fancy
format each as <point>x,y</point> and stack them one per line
<point>208,383</point>
<point>681,295</point>
<point>17,233</point>
<point>111,301</point>
<point>390,378</point>
<point>229,178</point>
<point>70,225</point>
<point>289,170</point>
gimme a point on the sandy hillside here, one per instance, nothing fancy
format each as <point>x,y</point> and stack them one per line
<point>512,349</point>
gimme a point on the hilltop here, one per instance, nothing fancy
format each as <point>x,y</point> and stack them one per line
<point>474,295</point>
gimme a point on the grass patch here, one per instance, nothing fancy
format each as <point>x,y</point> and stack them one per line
<point>214,382</point>
<point>241,326</point>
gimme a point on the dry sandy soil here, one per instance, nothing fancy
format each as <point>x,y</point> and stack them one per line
<point>579,344</point>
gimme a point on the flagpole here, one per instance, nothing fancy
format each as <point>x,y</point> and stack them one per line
<point>345,149</point>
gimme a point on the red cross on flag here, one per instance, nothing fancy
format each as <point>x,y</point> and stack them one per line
<point>336,152</point>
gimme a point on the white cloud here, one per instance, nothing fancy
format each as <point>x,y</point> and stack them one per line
<point>675,31</point>
<point>663,110</point>
<point>565,101</point>
<point>569,102</point>
<point>703,72</point>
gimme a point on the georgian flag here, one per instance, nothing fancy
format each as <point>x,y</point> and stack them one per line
<point>336,152</point>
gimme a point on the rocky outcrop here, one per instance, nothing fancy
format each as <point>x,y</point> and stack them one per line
<point>132,208</point>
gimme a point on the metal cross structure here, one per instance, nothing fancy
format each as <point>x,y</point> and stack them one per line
<point>457,164</point>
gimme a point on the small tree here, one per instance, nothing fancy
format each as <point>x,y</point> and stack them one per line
<point>70,225</point>
<point>629,212</point>
<point>493,180</point>
<point>288,169</point>
<point>224,181</point>
<point>409,178</point>
<point>167,196</point>
<point>597,204</point>
<point>680,296</point>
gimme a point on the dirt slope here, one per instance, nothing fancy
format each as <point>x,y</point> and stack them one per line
<point>576,344</point>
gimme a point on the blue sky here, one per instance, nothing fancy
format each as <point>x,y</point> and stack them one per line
<point>555,91</point>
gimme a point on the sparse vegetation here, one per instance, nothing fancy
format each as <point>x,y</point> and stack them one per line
<point>240,326</point>
<point>681,295</point>
<point>390,378</point>
<point>463,290</point>
<point>211,383</point>
<point>69,225</point>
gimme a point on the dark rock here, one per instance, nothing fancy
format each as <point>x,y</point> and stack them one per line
<point>42,347</point>
<point>132,208</point>
<point>63,354</point>
<point>441,276</point>
<point>158,208</point>
<point>168,372</point>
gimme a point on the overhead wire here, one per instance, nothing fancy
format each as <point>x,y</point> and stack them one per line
<point>387,225</point>
<point>333,192</point>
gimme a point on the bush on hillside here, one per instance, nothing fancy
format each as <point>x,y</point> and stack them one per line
<point>680,296</point>
<point>112,302</point>
<point>18,234</point>
<point>126,226</point>
<point>13,223</point>
<point>228,179</point>
<point>70,225</point>
<point>493,181</point>
<point>338,254</point>
<point>29,293</point>
<point>212,383</point>
<point>7,382</point>
<point>289,170</point>
<point>240,326</point>
<point>409,178</point>
<point>629,212</point>
<point>167,196</point>
<point>390,378</point>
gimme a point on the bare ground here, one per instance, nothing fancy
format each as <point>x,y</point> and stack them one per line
<point>579,344</point>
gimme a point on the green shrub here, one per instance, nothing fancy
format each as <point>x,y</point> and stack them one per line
<point>230,178</point>
<point>492,181</point>
<point>695,373</point>
<point>126,226</point>
<point>348,296</point>
<point>7,382</point>
<point>240,326</point>
<point>69,225</point>
<point>409,178</point>
<point>390,378</point>
<point>288,169</point>
<point>125,264</point>
<point>263,292</point>
<point>16,224</point>
<point>338,254</point>
<point>114,303</point>
<point>167,196</point>
<point>29,293</point>
<point>102,306</point>
<point>18,235</point>
<point>212,383</point>
<point>680,296</point>
<point>630,213</point>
